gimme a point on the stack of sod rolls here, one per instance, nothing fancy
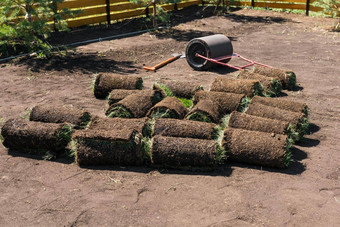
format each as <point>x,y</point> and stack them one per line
<point>287,77</point>
<point>170,107</point>
<point>117,95</point>
<point>296,114</point>
<point>211,106</point>
<point>184,91</point>
<point>36,137</point>
<point>105,82</point>
<point>259,148</point>
<point>255,123</point>
<point>247,87</point>
<point>135,105</point>
<point>181,88</point>
<point>60,114</point>
<point>271,85</point>
<point>184,144</point>
<point>110,141</point>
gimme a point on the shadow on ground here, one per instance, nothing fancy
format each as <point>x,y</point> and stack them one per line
<point>85,63</point>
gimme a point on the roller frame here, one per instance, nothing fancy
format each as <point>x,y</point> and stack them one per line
<point>220,60</point>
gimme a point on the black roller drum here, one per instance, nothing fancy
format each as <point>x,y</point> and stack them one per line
<point>213,46</point>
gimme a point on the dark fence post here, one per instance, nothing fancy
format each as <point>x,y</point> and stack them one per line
<point>253,3</point>
<point>147,11</point>
<point>307,7</point>
<point>108,11</point>
<point>202,3</point>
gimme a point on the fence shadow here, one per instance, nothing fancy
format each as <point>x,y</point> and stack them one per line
<point>85,63</point>
<point>257,19</point>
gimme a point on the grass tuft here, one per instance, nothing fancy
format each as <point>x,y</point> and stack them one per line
<point>288,155</point>
<point>119,111</point>
<point>139,84</point>
<point>163,113</point>
<point>291,81</point>
<point>221,155</point>
<point>146,146</point>
<point>65,134</point>
<point>186,102</point>
<point>274,89</point>
<point>85,120</point>
<point>258,89</point>
<point>199,116</point>
<point>148,128</point>
<point>245,101</point>
<point>225,121</point>
<point>166,90</point>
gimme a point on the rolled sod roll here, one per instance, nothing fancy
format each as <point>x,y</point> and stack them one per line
<point>170,107</point>
<point>282,104</point>
<point>205,110</point>
<point>249,88</point>
<point>176,152</point>
<point>135,105</point>
<point>33,135</point>
<point>118,94</point>
<point>258,148</point>
<point>106,82</point>
<point>114,147</point>
<point>107,124</point>
<point>185,128</point>
<point>287,77</point>
<point>298,120</point>
<point>271,85</point>
<point>181,88</point>
<point>60,114</point>
<point>227,102</point>
<point>254,123</point>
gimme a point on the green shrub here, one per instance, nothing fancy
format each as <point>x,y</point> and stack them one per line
<point>24,25</point>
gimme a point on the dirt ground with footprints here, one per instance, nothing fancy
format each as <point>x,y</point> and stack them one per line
<point>35,192</point>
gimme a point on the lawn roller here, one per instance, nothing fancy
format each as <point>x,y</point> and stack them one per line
<point>205,52</point>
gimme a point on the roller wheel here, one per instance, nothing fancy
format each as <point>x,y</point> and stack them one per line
<point>197,63</point>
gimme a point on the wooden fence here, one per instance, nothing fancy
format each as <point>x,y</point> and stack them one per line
<point>105,11</point>
<point>99,11</point>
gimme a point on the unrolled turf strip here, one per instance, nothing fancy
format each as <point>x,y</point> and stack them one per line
<point>254,123</point>
<point>259,148</point>
<point>227,102</point>
<point>287,77</point>
<point>60,114</point>
<point>238,86</point>
<point>205,110</point>
<point>23,134</point>
<point>114,147</point>
<point>271,85</point>
<point>106,82</point>
<point>182,89</point>
<point>170,107</point>
<point>178,152</point>
<point>185,128</point>
<point>282,104</point>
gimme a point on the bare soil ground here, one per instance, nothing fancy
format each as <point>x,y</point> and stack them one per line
<point>34,192</point>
